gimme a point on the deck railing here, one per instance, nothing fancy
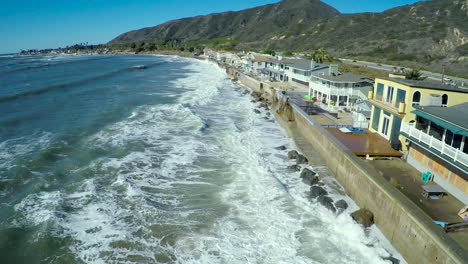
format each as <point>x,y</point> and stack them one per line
<point>435,144</point>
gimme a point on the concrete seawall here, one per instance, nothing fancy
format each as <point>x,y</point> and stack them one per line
<point>408,228</point>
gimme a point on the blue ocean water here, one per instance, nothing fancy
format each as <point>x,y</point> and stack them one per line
<point>155,159</point>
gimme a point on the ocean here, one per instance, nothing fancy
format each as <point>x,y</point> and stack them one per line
<point>103,160</point>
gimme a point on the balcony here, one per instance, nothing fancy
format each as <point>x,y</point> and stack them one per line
<point>438,147</point>
<point>338,91</point>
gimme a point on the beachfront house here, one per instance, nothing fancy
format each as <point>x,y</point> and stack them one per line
<point>276,69</point>
<point>338,91</point>
<point>223,57</point>
<point>299,72</point>
<point>247,64</point>
<point>207,52</point>
<point>236,60</point>
<point>438,144</point>
<point>393,100</point>
<point>259,63</point>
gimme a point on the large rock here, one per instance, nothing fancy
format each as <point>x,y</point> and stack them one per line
<point>281,148</point>
<point>301,159</point>
<point>294,168</point>
<point>327,202</point>
<point>293,154</point>
<point>341,204</point>
<point>363,217</point>
<point>317,191</point>
<point>309,177</point>
<point>257,111</point>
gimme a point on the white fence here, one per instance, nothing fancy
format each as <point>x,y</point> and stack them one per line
<point>456,154</point>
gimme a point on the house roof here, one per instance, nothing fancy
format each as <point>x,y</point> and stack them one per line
<point>429,85</point>
<point>306,65</point>
<point>456,115</point>
<point>345,78</point>
<point>283,61</point>
<point>261,58</point>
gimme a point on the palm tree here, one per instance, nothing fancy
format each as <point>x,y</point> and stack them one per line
<point>321,55</point>
<point>414,75</point>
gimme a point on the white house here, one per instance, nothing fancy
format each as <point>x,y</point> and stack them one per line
<point>339,90</point>
<point>301,71</point>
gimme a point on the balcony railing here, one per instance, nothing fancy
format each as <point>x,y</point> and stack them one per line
<point>435,144</point>
<point>341,91</point>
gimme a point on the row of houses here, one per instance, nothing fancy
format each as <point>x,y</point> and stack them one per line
<point>426,121</point>
<point>335,91</point>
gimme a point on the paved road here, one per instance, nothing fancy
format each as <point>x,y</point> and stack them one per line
<point>387,67</point>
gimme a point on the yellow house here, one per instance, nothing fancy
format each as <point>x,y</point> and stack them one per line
<point>393,100</point>
<point>430,122</point>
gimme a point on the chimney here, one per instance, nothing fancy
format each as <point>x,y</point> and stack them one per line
<point>333,69</point>
<point>312,64</point>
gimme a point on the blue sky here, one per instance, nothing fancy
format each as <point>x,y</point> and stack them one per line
<point>38,24</point>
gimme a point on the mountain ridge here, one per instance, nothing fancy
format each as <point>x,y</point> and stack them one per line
<point>254,23</point>
<point>429,33</point>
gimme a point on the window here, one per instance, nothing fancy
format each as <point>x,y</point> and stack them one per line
<point>465,146</point>
<point>416,98</point>
<point>448,137</point>
<point>385,124</point>
<point>400,97</point>
<point>444,100</point>
<point>422,124</point>
<point>389,94</point>
<point>357,85</point>
<point>379,94</point>
<point>436,131</point>
<point>396,126</point>
<point>457,140</point>
<point>375,118</point>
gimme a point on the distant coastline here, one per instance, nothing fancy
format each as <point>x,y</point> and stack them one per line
<point>179,53</point>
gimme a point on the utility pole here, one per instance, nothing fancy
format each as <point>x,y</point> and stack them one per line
<point>443,73</point>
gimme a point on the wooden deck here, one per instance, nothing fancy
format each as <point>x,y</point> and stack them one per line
<point>370,143</point>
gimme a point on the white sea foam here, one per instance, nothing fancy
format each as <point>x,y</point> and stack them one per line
<point>12,149</point>
<point>201,182</point>
<point>202,87</point>
<point>39,208</point>
<point>272,224</point>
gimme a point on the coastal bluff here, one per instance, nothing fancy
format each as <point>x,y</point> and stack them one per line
<point>404,224</point>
